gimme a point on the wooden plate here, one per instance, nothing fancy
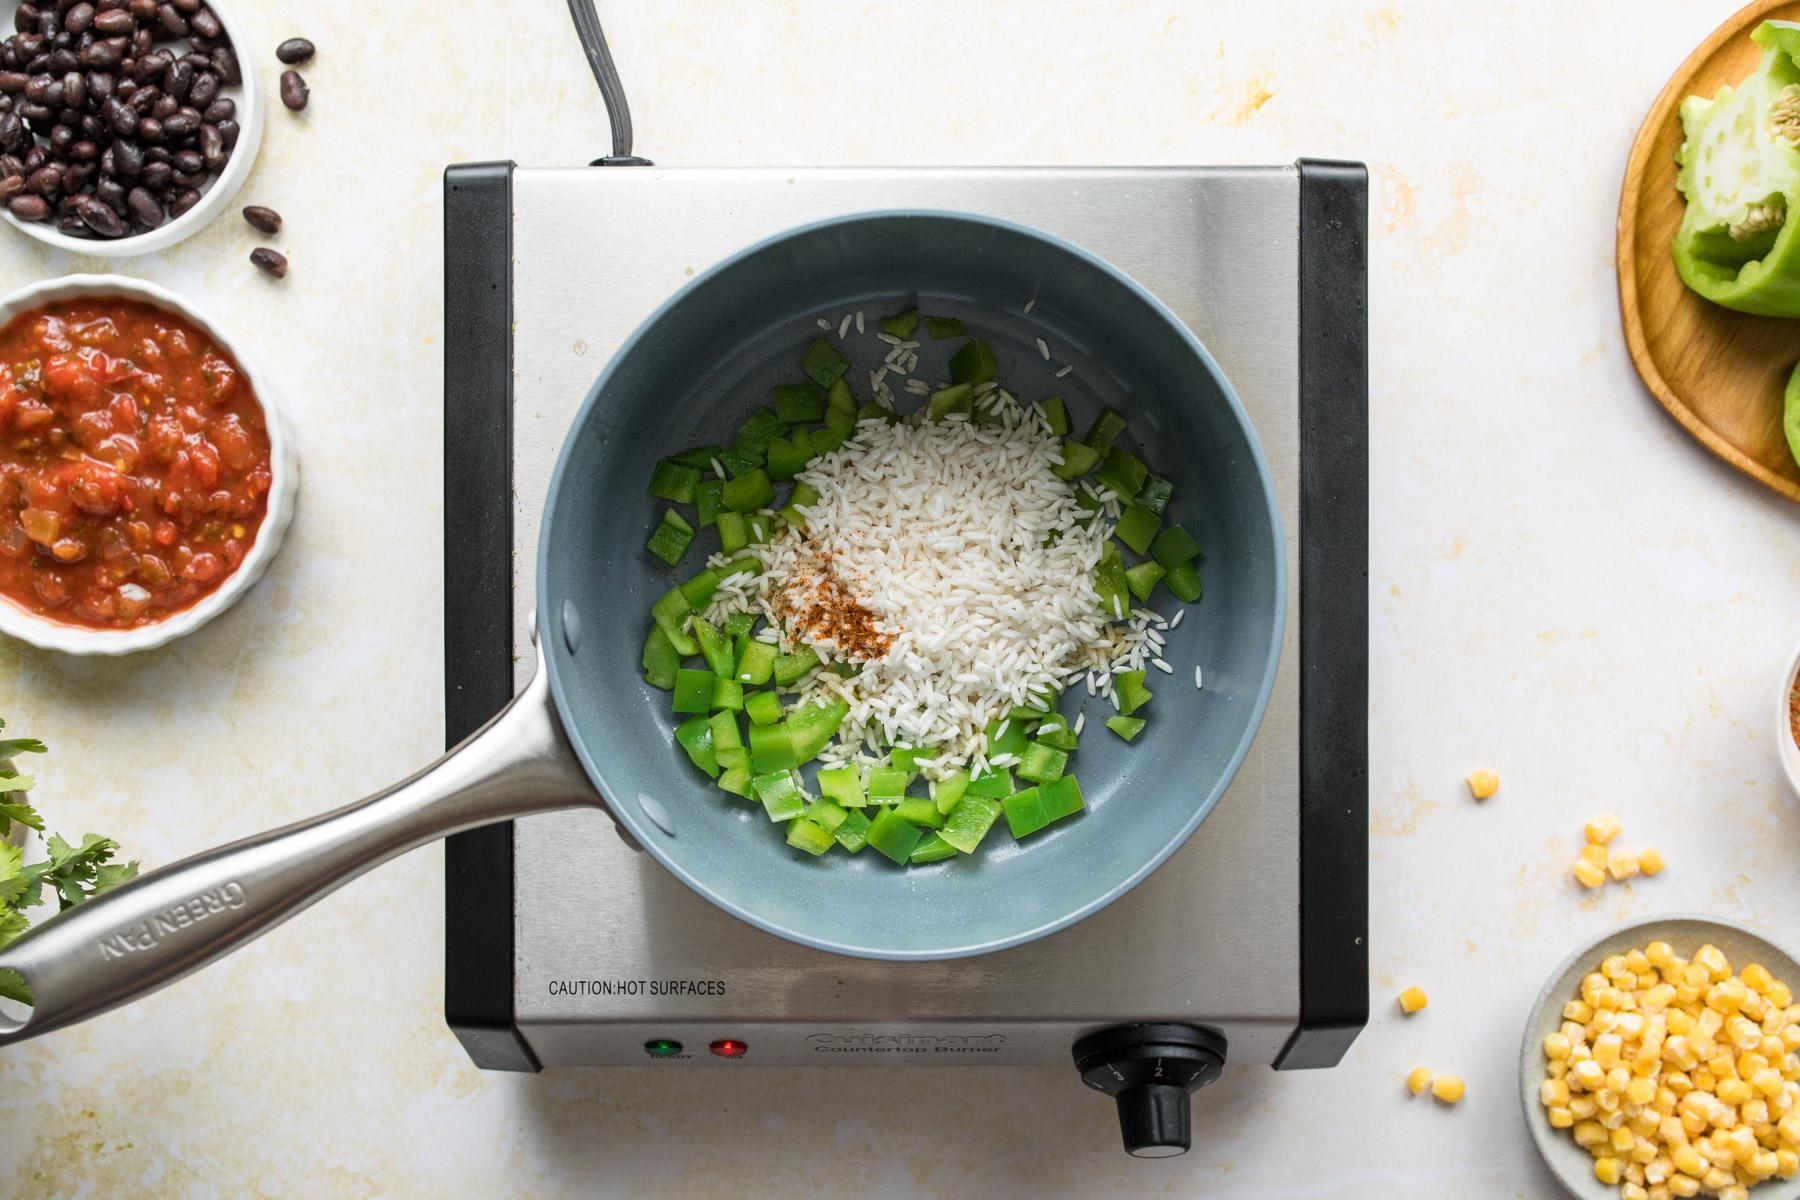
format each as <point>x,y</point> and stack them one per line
<point>1720,373</point>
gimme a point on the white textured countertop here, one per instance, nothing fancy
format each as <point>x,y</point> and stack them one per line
<point>1564,587</point>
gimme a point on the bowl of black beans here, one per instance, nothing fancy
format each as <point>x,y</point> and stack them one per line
<point>125,125</point>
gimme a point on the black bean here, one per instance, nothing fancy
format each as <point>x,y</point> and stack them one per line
<point>113,22</point>
<point>61,62</point>
<point>35,157</point>
<point>84,151</point>
<point>29,208</point>
<point>206,24</point>
<point>156,174</point>
<point>144,207</point>
<point>13,135</point>
<point>54,97</point>
<point>77,176</point>
<point>225,63</point>
<point>178,78</point>
<point>189,162</point>
<point>263,220</point>
<point>62,139</point>
<point>152,65</point>
<point>142,99</point>
<point>183,202</point>
<point>221,109</point>
<point>173,23</point>
<point>202,45</point>
<point>74,89</point>
<point>11,167</point>
<point>13,81</point>
<point>149,130</point>
<point>205,89</point>
<point>212,147</point>
<point>128,158</point>
<point>295,51</point>
<point>45,180</point>
<point>165,107</point>
<point>294,91</point>
<point>36,112</point>
<point>101,218</point>
<point>25,18</point>
<point>272,261</point>
<point>37,87</point>
<point>228,130</point>
<point>78,18</point>
<point>10,186</point>
<point>104,53</point>
<point>111,193</point>
<point>122,118</point>
<point>187,6</point>
<point>141,41</point>
<point>200,62</point>
<point>184,123</point>
<point>143,10</point>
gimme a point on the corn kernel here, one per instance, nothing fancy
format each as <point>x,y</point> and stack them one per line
<point>1447,1088</point>
<point>1687,1160</point>
<point>1560,1117</point>
<point>1622,864</point>
<point>1659,953</point>
<point>1736,1191</point>
<point>1716,1178</point>
<point>1553,1091</point>
<point>1768,1081</point>
<point>1714,960</point>
<point>1650,860</point>
<point>1556,1046</point>
<point>1602,829</point>
<point>1587,1074</point>
<point>1633,1191</point>
<point>1589,875</point>
<point>1483,783</point>
<point>1420,1078</point>
<point>1412,1000</point>
<point>1750,1062</point>
<point>1787,1163</point>
<point>1789,1129</point>
<point>1683,1186</point>
<point>1583,1107</point>
<point>1607,1170</point>
<point>1640,1091</point>
<point>1606,1049</point>
<point>1733,1091</point>
<point>1577,1010</point>
<point>1622,1139</point>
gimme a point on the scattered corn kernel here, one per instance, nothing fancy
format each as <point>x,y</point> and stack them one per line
<point>1589,874</point>
<point>1623,864</point>
<point>1447,1088</point>
<point>1602,829</point>
<point>1650,860</point>
<point>1678,1077</point>
<point>1483,783</point>
<point>1412,1000</point>
<point>1420,1078</point>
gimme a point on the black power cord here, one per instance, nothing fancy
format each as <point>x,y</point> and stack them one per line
<point>618,112</point>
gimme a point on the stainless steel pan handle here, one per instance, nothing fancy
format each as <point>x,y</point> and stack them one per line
<point>150,932</point>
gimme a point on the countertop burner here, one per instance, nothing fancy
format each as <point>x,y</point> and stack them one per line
<point>565,946</point>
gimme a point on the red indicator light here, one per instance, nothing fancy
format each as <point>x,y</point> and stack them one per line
<point>727,1048</point>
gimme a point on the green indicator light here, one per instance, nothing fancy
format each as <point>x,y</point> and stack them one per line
<point>662,1048</point>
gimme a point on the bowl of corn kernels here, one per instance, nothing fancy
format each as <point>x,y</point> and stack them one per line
<point>1663,1060</point>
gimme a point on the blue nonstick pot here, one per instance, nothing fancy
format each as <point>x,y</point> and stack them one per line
<point>589,731</point>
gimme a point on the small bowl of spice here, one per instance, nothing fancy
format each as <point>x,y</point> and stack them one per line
<point>1787,721</point>
<point>146,478</point>
<point>125,125</point>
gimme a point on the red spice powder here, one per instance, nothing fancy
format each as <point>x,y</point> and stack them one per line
<point>1794,711</point>
<point>819,605</point>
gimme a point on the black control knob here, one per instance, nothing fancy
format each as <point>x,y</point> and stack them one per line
<point>1151,1070</point>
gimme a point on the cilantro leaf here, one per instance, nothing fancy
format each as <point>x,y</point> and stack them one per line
<point>12,987</point>
<point>112,875</point>
<point>20,811</point>
<point>16,783</point>
<point>12,875</point>
<point>12,924</point>
<point>12,746</point>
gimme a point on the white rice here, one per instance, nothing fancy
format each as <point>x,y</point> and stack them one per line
<point>1065,370</point>
<point>859,320</point>
<point>824,324</point>
<point>939,530</point>
<point>1044,349</point>
<point>1197,677</point>
<point>1029,305</point>
<point>844,325</point>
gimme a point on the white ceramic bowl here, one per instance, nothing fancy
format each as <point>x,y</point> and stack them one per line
<point>215,197</point>
<point>1785,746</point>
<point>1572,1166</point>
<point>283,464</point>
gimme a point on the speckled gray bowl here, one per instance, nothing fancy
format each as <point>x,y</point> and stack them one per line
<point>1686,932</point>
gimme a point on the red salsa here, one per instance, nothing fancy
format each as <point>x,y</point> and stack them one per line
<point>134,463</point>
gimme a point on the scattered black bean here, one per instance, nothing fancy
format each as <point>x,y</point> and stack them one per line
<point>111,113</point>
<point>269,260</point>
<point>264,220</point>
<point>295,51</point>
<point>294,91</point>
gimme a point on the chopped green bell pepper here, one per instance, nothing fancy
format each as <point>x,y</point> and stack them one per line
<point>674,481</point>
<point>763,708</point>
<point>1136,528</point>
<point>1173,546</point>
<point>823,363</point>
<point>788,456</point>
<point>1129,687</point>
<point>756,665</point>
<point>1184,581</point>
<point>749,492</point>
<point>699,590</point>
<point>994,783</point>
<point>892,836</point>
<point>713,647</point>
<point>839,400</point>
<point>1110,587</point>
<point>792,668</point>
<point>736,780</point>
<point>671,538</point>
<point>803,833</point>
<point>969,822</point>
<point>853,834</point>
<point>1041,763</point>
<point>844,785</point>
<point>734,531</point>
<point>811,727</point>
<point>1123,472</point>
<point>1057,733</point>
<point>902,325</point>
<point>1155,494</point>
<point>803,496</point>
<point>1142,579</point>
<point>974,363</point>
<point>709,500</point>
<point>693,691</point>
<point>920,811</point>
<point>700,457</point>
<point>1106,427</point>
<point>1056,411</point>
<point>1077,460</point>
<point>727,694</point>
<point>827,813</point>
<point>957,398</point>
<point>1032,809</point>
<point>771,748</point>
<point>796,402</point>
<point>948,792</point>
<point>728,740</point>
<point>1740,174</point>
<point>931,848</point>
<point>737,463</point>
<point>780,794</point>
<point>887,785</point>
<point>696,737</point>
<point>941,328</point>
<point>660,659</point>
<point>1126,727</point>
<point>670,612</point>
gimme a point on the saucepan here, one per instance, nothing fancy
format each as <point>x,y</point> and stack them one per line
<point>588,731</point>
